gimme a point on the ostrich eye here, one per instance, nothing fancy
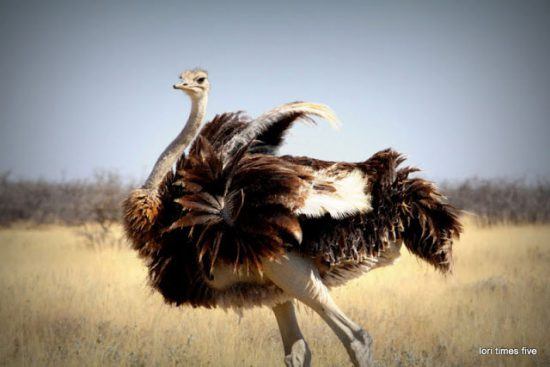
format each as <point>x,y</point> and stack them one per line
<point>201,80</point>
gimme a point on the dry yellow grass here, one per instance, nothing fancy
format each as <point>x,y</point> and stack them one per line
<point>63,304</point>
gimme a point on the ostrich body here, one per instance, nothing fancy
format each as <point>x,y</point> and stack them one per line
<point>237,226</point>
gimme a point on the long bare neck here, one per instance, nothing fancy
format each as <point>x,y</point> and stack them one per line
<point>177,146</point>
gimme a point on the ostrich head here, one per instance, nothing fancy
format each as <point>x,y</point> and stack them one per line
<point>194,83</point>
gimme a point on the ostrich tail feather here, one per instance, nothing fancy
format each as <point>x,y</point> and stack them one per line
<point>431,224</point>
<point>413,209</point>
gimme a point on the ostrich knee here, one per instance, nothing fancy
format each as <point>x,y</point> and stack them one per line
<point>361,350</point>
<point>300,355</point>
<point>297,353</point>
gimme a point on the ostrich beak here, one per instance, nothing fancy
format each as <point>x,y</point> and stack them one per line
<point>182,86</point>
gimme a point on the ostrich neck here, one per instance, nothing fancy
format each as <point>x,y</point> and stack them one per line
<point>177,146</point>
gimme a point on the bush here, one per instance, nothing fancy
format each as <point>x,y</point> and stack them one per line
<point>502,201</point>
<point>69,202</point>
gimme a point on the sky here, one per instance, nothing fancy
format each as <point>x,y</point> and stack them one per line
<point>461,87</point>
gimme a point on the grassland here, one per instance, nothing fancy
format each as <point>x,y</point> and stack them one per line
<point>64,304</point>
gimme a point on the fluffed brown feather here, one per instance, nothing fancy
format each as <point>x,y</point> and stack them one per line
<point>140,211</point>
<point>240,210</point>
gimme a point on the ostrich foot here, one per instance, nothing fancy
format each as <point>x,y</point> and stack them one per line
<point>360,350</point>
<point>300,355</point>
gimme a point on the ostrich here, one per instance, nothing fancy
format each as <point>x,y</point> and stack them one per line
<point>236,226</point>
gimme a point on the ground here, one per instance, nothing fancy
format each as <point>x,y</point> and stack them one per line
<point>62,303</point>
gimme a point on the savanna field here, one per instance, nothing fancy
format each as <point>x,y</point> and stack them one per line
<point>63,303</point>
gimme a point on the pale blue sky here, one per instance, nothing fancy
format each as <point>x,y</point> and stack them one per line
<point>461,87</point>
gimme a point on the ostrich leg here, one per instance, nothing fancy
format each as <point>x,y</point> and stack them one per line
<point>297,353</point>
<point>298,277</point>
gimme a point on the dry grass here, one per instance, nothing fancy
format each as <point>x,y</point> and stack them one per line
<point>64,304</point>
